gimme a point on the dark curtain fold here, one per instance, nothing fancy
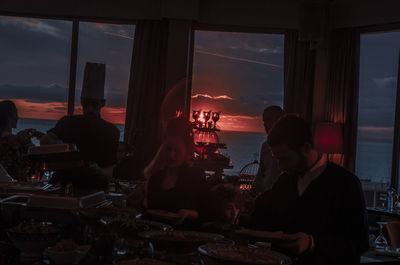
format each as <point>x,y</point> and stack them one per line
<point>299,75</point>
<point>146,89</point>
<point>342,90</point>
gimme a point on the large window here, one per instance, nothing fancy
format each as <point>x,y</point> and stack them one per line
<point>379,56</point>
<point>35,59</point>
<point>238,74</point>
<point>34,68</point>
<point>112,45</point>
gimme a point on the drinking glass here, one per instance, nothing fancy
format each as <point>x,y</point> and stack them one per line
<point>206,116</point>
<point>380,241</point>
<point>215,118</point>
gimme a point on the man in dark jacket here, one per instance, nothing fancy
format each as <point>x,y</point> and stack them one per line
<point>96,139</point>
<point>317,204</point>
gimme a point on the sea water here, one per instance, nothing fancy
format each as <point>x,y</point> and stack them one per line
<point>373,157</point>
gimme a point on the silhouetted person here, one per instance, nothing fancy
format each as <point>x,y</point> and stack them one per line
<point>96,139</point>
<point>224,205</point>
<point>268,172</point>
<point>317,204</point>
<point>14,148</point>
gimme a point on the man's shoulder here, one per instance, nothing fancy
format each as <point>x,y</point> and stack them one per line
<point>111,127</point>
<point>99,122</point>
<point>333,168</point>
<point>340,174</point>
<point>71,118</point>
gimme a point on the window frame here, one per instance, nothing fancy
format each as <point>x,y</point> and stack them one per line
<point>379,29</point>
<point>223,28</point>
<point>74,46</point>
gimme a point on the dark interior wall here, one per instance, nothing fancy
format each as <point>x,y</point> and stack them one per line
<point>250,13</point>
<point>125,9</point>
<point>363,13</point>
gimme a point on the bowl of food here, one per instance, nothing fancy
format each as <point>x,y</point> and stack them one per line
<point>179,241</point>
<point>242,255</point>
<point>144,261</point>
<point>66,252</point>
<point>32,238</point>
<point>129,228</point>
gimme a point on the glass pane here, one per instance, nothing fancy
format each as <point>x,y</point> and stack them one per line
<point>34,68</point>
<point>379,55</point>
<point>238,74</point>
<point>112,45</point>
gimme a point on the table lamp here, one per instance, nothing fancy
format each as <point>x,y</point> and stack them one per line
<point>329,138</point>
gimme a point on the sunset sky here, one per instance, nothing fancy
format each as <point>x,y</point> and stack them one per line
<point>238,74</point>
<point>34,65</point>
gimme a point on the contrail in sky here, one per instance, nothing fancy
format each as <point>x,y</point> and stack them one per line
<point>118,35</point>
<point>236,58</point>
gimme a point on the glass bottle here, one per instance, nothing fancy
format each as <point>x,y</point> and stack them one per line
<point>391,199</point>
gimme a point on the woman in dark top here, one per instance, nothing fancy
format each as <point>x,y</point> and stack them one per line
<point>172,184</point>
<point>14,148</point>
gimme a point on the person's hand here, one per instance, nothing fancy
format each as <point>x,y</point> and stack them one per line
<point>27,132</point>
<point>158,163</point>
<point>297,243</point>
<point>26,135</point>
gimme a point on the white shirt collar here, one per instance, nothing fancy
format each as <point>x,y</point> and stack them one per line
<point>313,173</point>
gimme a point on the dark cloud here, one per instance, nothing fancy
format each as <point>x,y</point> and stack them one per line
<point>115,52</point>
<point>55,93</point>
<point>36,52</point>
<point>36,94</point>
<point>240,42</point>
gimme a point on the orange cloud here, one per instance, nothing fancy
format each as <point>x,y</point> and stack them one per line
<point>241,123</point>
<point>35,110</point>
<point>375,133</point>
<point>376,129</point>
<point>56,110</point>
<point>114,115</point>
<point>24,20</point>
<point>212,97</point>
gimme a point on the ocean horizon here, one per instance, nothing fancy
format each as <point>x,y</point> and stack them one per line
<point>373,161</point>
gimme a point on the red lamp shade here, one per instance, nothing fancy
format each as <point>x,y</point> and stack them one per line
<point>329,137</point>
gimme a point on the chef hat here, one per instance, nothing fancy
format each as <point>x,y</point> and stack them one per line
<point>93,81</point>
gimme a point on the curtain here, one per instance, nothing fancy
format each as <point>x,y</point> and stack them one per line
<point>146,89</point>
<point>342,91</point>
<point>298,75</point>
